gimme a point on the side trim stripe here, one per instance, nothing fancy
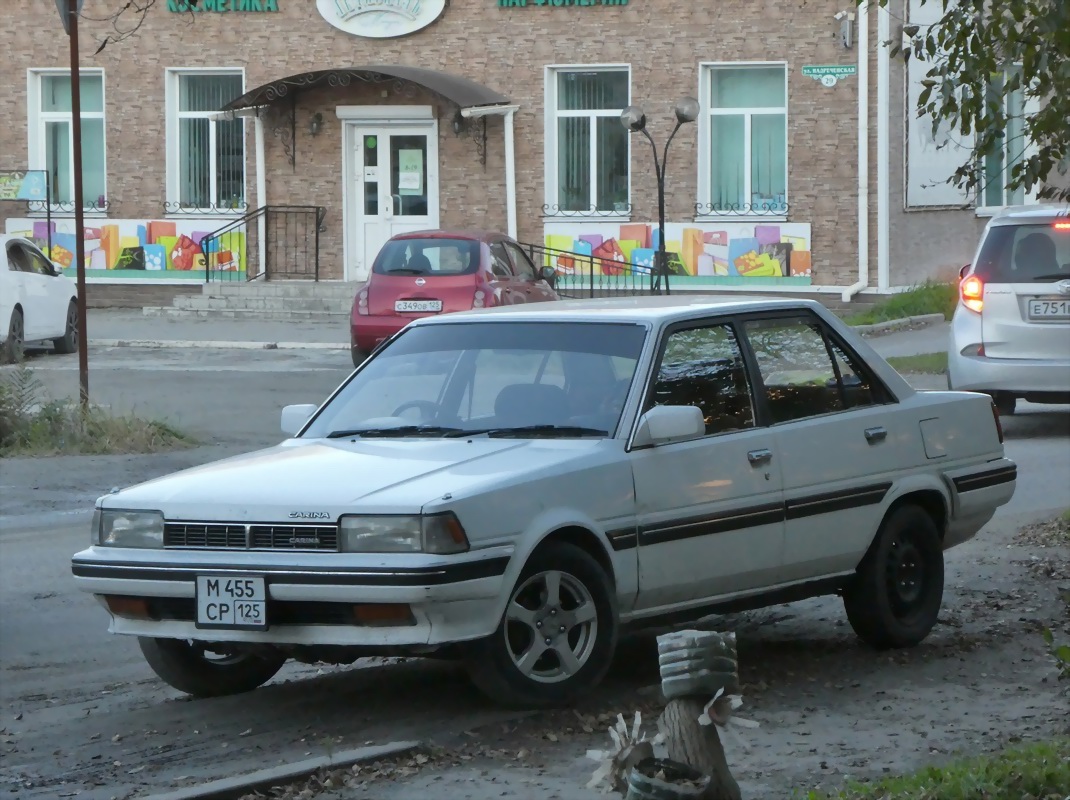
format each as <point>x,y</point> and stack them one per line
<point>986,479</point>
<point>623,538</point>
<point>837,501</point>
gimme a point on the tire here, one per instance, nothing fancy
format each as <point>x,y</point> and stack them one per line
<point>895,598</point>
<point>16,337</point>
<point>68,342</point>
<point>187,667</point>
<point>359,356</point>
<point>497,664</point>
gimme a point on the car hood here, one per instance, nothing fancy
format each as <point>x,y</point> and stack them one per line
<point>322,479</point>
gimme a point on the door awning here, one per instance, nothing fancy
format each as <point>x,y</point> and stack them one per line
<point>462,92</point>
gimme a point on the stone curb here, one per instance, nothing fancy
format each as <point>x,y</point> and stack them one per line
<point>230,788</point>
<point>160,344</point>
<point>921,321</point>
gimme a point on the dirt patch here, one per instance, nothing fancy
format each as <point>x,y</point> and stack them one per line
<point>829,708</point>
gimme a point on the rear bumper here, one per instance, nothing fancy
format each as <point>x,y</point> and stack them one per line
<point>1019,376</point>
<point>976,492</point>
<point>368,332</point>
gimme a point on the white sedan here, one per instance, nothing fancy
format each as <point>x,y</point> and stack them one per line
<point>38,303</point>
<point>516,486</point>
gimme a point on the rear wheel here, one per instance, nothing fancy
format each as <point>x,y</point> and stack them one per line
<point>894,600</point>
<point>68,342</point>
<point>203,670</point>
<point>359,356</point>
<point>558,633</point>
<point>16,333</point>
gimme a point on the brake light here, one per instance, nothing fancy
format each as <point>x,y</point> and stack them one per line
<point>972,290</point>
<point>999,425</point>
<point>362,302</point>
<point>1062,226</point>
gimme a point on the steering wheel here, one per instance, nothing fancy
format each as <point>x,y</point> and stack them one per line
<point>428,408</point>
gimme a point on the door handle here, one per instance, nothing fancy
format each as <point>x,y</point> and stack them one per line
<point>760,456</point>
<point>874,435</point>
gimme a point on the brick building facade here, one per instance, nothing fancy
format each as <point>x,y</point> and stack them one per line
<point>510,120</point>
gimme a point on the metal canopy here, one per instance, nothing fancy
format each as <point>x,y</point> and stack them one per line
<point>462,92</point>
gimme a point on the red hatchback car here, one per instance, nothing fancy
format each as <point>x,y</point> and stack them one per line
<point>422,273</point>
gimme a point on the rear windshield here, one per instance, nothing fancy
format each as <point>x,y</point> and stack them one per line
<point>1025,253</point>
<point>428,257</point>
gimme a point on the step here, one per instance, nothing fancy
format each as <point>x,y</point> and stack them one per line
<point>288,289</point>
<point>257,314</point>
<point>339,305</point>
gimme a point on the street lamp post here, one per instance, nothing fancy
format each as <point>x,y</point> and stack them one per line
<point>633,118</point>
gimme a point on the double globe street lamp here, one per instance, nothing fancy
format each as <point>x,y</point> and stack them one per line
<point>633,118</point>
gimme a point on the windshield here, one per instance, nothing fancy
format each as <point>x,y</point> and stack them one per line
<point>1025,253</point>
<point>492,378</point>
<point>427,257</point>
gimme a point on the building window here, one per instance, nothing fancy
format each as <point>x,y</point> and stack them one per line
<point>206,167</point>
<point>588,147</point>
<point>1009,150</point>
<point>746,140</point>
<point>52,140</point>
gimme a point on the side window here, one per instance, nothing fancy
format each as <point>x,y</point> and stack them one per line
<point>499,261</point>
<point>704,367</point>
<point>16,259</point>
<point>524,268</point>
<point>800,377</point>
<point>37,263</point>
<point>859,387</point>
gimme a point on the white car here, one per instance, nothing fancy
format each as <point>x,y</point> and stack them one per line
<point>515,486</point>
<point>37,302</point>
<point>1010,335</point>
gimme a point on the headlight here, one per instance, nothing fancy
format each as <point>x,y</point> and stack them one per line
<point>440,534</point>
<point>131,528</point>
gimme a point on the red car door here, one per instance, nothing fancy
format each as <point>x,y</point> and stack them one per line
<point>507,290</point>
<point>535,288</point>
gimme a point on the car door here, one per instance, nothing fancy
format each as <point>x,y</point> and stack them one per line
<point>36,299</point>
<point>535,288</point>
<point>839,435</point>
<point>504,285</point>
<point>56,290</point>
<point>710,510</point>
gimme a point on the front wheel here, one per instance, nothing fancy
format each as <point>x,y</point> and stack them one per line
<point>194,668</point>
<point>68,342</point>
<point>557,636</point>
<point>894,600</point>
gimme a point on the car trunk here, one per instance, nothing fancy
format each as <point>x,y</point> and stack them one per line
<point>1026,314</point>
<point>455,292</point>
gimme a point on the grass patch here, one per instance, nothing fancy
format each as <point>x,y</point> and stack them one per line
<point>934,363</point>
<point>928,298</point>
<point>31,424</point>
<point>1040,771</point>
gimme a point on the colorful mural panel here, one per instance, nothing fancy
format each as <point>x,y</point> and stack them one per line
<point>149,249</point>
<point>706,253</point>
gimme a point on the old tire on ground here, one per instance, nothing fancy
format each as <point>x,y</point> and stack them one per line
<point>190,668</point>
<point>16,332</point>
<point>894,600</point>
<point>68,342</point>
<point>557,636</point>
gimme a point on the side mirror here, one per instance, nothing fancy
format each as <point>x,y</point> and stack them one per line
<point>964,271</point>
<point>294,417</point>
<point>664,424</point>
<point>548,274</point>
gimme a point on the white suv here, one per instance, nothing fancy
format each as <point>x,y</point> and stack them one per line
<point>1010,335</point>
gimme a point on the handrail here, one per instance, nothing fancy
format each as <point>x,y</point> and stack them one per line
<point>588,275</point>
<point>287,248</point>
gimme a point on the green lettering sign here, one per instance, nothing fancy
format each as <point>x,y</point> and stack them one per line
<point>222,5</point>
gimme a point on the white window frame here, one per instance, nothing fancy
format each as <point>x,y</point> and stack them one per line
<point>36,127</point>
<point>705,85</point>
<point>172,77</point>
<point>551,115</point>
<point>1030,105</point>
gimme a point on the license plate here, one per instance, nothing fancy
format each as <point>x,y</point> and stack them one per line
<point>417,305</point>
<point>1049,309</point>
<point>237,602</point>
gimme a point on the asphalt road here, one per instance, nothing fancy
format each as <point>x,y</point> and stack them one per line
<point>79,709</point>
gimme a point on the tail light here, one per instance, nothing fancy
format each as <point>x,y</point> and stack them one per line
<point>999,425</point>
<point>362,301</point>
<point>1062,226</point>
<point>972,290</point>
<point>478,299</point>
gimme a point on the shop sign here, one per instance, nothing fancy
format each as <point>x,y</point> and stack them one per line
<point>830,74</point>
<point>222,5</point>
<point>23,185</point>
<point>559,3</point>
<point>380,19</point>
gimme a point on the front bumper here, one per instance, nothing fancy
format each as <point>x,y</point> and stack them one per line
<point>451,599</point>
